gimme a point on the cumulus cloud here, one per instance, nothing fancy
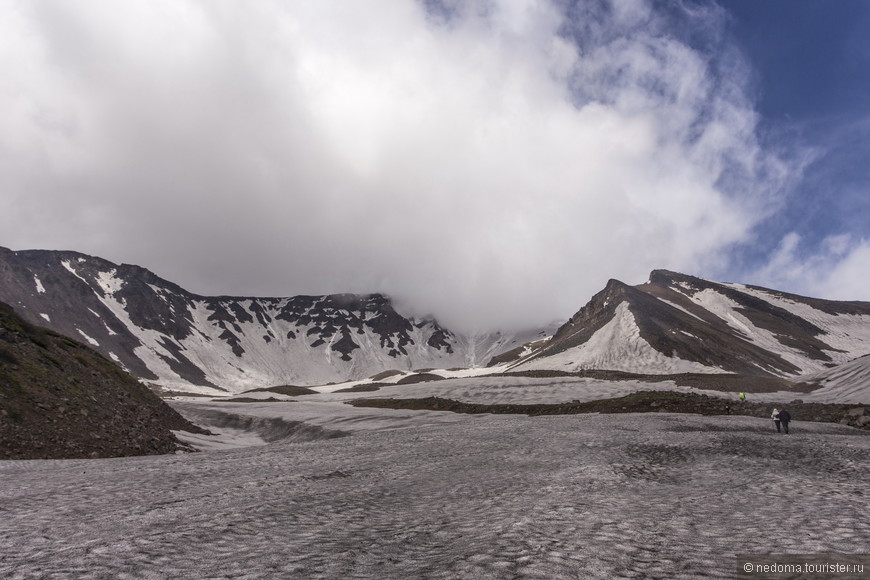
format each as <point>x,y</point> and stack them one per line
<point>491,163</point>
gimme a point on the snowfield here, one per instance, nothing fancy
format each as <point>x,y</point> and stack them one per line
<point>847,334</point>
<point>345,492</point>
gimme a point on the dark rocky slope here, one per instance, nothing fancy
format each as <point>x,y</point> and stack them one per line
<point>60,399</point>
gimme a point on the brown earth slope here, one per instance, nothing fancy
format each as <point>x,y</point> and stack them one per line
<point>60,399</point>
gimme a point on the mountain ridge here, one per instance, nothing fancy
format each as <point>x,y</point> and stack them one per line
<point>704,326</point>
<point>181,341</point>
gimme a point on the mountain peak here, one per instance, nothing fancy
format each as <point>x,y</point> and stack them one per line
<point>677,323</point>
<point>668,278</point>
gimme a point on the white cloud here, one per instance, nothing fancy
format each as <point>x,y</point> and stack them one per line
<point>837,269</point>
<point>495,165</point>
<point>848,280</point>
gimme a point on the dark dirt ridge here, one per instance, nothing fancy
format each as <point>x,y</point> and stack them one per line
<point>724,382</point>
<point>729,383</point>
<point>60,399</point>
<point>290,390</point>
<point>640,402</point>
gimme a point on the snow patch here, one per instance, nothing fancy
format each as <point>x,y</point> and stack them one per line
<point>88,338</point>
<point>847,334</point>
<point>39,287</point>
<point>152,352</point>
<point>726,309</point>
<point>109,283</point>
<point>46,316</point>
<point>680,308</point>
<point>71,270</point>
<point>685,286</point>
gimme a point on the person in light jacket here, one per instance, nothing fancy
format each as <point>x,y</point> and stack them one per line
<point>784,418</point>
<point>775,417</point>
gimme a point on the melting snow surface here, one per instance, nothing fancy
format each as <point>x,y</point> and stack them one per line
<point>418,494</point>
<point>848,382</point>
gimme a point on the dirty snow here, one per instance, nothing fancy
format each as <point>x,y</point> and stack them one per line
<point>314,488</point>
<point>846,383</point>
<point>442,496</point>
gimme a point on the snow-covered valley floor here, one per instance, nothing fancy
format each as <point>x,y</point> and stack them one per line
<point>419,494</point>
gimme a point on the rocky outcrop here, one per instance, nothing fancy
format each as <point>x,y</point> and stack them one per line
<point>857,417</point>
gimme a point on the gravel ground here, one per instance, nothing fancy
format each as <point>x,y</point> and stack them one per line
<point>469,496</point>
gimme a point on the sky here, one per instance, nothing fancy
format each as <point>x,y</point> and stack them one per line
<point>491,163</point>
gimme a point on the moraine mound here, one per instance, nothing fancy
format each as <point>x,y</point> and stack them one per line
<point>59,399</point>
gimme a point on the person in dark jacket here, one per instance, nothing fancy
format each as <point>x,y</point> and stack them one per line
<point>784,418</point>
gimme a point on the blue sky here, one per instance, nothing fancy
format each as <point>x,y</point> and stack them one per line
<point>811,58</point>
<point>811,81</point>
<point>487,162</point>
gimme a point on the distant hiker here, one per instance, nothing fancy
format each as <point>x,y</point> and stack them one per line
<point>775,417</point>
<point>742,397</point>
<point>784,418</point>
<point>727,409</point>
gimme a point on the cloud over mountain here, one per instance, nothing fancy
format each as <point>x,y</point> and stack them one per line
<point>487,162</point>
